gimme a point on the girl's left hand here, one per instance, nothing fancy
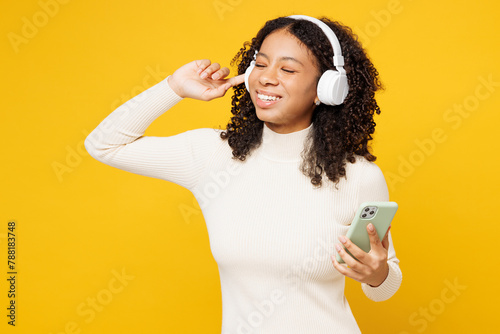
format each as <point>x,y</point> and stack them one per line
<point>372,267</point>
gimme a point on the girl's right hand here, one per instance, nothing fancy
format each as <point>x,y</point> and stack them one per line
<point>202,80</point>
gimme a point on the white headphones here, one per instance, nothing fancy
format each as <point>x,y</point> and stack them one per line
<point>332,86</point>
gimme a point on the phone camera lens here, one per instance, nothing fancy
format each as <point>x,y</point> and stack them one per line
<point>372,212</point>
<point>367,209</point>
<point>363,215</point>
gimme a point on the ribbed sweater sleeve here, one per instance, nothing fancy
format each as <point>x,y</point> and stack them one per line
<point>373,187</point>
<point>118,140</point>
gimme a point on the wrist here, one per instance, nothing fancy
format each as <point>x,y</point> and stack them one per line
<point>173,86</point>
<point>379,282</point>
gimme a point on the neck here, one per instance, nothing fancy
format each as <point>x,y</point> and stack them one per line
<point>284,146</point>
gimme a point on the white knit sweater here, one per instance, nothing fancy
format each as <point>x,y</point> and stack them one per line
<point>271,232</point>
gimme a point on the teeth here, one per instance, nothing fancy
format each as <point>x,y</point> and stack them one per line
<point>268,98</point>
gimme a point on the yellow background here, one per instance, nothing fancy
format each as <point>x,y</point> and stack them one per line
<point>80,222</point>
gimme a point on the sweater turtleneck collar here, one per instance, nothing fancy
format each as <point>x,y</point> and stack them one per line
<point>283,146</point>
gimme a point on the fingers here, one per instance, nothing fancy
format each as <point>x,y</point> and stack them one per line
<point>212,71</point>
<point>352,269</point>
<point>340,268</point>
<point>373,235</point>
<point>215,72</point>
<point>220,91</point>
<point>353,249</point>
<point>385,241</point>
<point>372,266</point>
<point>209,71</point>
<point>348,259</point>
<point>237,80</point>
<point>378,249</point>
<point>213,79</point>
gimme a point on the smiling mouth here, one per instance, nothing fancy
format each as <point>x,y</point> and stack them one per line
<point>268,98</point>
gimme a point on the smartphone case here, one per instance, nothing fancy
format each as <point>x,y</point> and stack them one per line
<point>381,220</point>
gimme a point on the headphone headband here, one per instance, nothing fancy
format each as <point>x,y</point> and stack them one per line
<point>338,59</point>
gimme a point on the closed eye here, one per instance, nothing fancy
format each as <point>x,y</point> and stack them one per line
<point>288,71</point>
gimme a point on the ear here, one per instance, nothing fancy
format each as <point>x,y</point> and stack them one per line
<point>317,101</point>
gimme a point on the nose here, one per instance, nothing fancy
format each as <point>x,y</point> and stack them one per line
<point>268,76</point>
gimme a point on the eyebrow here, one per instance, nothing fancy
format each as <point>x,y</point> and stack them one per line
<point>282,58</point>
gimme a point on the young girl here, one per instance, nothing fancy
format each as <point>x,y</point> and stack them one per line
<point>280,186</point>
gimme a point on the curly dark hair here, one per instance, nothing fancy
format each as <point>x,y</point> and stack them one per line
<point>338,132</point>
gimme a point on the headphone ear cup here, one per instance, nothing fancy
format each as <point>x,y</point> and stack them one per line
<point>247,73</point>
<point>332,88</point>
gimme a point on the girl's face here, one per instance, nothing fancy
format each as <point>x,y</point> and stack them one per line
<point>283,83</point>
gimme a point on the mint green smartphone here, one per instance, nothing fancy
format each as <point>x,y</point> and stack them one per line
<point>380,214</point>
